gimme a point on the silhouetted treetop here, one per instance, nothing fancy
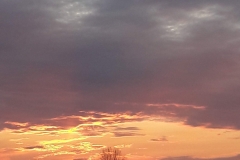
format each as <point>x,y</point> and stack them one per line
<point>111,153</point>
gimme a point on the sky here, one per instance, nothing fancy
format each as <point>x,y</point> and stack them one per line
<point>158,79</point>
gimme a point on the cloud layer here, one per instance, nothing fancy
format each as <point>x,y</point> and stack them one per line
<point>190,158</point>
<point>61,57</point>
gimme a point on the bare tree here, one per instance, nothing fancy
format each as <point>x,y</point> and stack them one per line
<point>111,153</point>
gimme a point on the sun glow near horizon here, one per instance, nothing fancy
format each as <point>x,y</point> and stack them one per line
<point>147,138</point>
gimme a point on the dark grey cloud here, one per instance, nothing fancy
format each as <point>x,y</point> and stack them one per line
<point>60,57</point>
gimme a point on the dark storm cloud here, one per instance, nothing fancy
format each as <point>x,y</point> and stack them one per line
<point>60,57</point>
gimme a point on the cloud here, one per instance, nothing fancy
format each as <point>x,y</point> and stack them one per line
<point>87,124</point>
<point>34,147</point>
<point>123,146</point>
<point>61,58</point>
<point>191,158</point>
<point>126,134</point>
<point>162,139</point>
<point>127,128</point>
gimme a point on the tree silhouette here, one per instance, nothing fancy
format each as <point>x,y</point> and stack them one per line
<point>111,153</point>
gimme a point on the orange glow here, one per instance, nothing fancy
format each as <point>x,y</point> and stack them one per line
<point>137,139</point>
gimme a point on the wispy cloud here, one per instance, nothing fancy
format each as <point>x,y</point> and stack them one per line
<point>191,158</point>
<point>162,139</point>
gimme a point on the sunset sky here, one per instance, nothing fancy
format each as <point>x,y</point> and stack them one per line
<point>158,79</point>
